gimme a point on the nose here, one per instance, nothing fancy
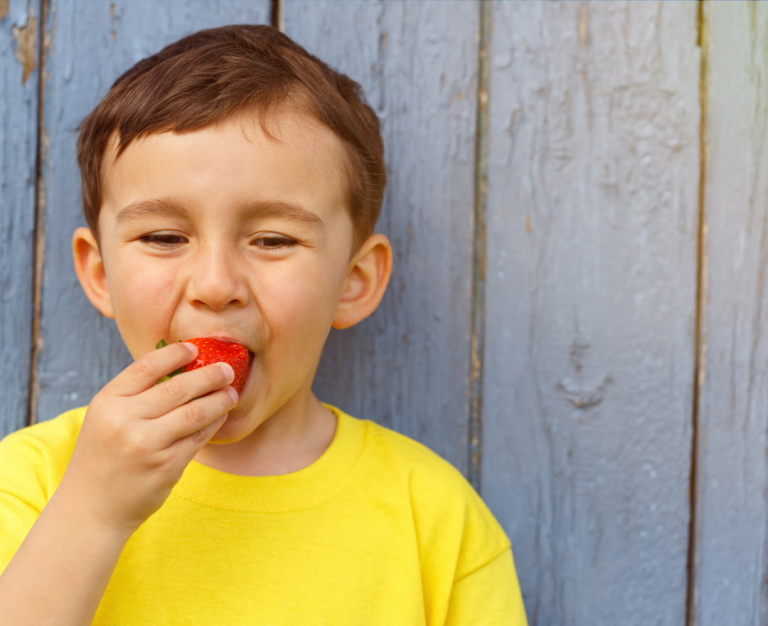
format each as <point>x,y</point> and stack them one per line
<point>216,279</point>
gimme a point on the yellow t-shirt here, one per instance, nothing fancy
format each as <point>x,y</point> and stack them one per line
<point>379,530</point>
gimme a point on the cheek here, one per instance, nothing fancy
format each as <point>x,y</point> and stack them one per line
<point>299,306</point>
<point>143,301</point>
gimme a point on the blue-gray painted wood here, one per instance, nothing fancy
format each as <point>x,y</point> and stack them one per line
<point>591,277</point>
<point>407,366</point>
<point>18,153</point>
<point>592,223</point>
<point>91,43</point>
<point>731,550</point>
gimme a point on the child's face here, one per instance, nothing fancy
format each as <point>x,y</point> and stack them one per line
<point>224,232</point>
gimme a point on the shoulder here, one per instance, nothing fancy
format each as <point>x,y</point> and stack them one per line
<point>47,437</point>
<point>425,469</point>
<point>446,509</point>
<point>39,453</point>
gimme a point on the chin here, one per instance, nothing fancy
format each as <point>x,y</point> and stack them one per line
<point>235,428</point>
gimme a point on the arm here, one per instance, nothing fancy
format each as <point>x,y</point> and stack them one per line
<point>62,568</point>
<point>151,433</point>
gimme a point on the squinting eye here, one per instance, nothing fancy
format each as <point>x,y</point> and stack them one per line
<point>163,240</point>
<point>273,242</point>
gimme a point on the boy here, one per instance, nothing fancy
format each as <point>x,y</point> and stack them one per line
<point>231,184</point>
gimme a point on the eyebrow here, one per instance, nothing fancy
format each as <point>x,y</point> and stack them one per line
<point>154,207</point>
<point>165,207</point>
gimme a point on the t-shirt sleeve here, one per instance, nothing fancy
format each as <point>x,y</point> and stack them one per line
<point>22,492</point>
<point>489,596</point>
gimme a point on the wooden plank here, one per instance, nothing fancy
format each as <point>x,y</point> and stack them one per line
<point>407,365</point>
<point>92,43</point>
<point>731,549</point>
<point>19,82</point>
<point>592,222</point>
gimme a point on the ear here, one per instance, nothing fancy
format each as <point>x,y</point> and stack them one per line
<point>89,268</point>
<point>367,279</point>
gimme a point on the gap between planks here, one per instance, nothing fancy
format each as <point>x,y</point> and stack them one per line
<point>477,343</point>
<point>700,348</point>
<point>38,240</point>
<point>38,243</point>
<point>276,15</point>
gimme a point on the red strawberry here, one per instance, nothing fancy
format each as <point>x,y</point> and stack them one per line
<point>217,351</point>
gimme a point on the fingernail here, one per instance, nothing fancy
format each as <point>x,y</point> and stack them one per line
<point>228,371</point>
<point>192,348</point>
<point>232,394</point>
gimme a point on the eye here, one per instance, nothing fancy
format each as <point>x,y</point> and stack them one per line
<point>273,242</point>
<point>163,240</point>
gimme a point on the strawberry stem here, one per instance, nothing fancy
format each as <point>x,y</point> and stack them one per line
<point>161,344</point>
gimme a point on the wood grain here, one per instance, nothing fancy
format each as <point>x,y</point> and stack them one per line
<point>407,366</point>
<point>91,43</point>
<point>731,550</point>
<point>592,225</point>
<point>19,83</point>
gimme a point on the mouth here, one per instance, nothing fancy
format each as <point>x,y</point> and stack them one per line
<point>251,354</point>
<point>225,339</point>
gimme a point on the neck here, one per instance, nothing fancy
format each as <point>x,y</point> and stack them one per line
<point>293,438</point>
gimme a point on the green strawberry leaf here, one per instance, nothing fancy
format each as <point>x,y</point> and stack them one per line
<point>161,344</point>
<point>171,375</point>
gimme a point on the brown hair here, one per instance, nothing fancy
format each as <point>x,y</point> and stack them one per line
<point>214,74</point>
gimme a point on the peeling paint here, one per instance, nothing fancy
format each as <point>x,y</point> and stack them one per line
<point>112,30</point>
<point>26,47</point>
<point>581,397</point>
<point>573,418</point>
<point>583,24</point>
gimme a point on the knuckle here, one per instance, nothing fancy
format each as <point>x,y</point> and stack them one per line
<point>175,388</point>
<point>95,407</point>
<point>142,447</point>
<point>199,435</point>
<point>195,415</point>
<point>164,459</point>
<point>142,453</point>
<point>136,444</point>
<point>114,427</point>
<point>142,367</point>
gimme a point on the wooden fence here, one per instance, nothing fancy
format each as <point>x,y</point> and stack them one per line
<point>578,203</point>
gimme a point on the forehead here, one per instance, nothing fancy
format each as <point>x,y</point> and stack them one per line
<point>286,156</point>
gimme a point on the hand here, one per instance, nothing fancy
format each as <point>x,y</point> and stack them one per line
<point>137,437</point>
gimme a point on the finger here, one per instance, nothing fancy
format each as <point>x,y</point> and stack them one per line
<point>144,373</point>
<point>187,447</point>
<point>194,417</point>
<point>181,389</point>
